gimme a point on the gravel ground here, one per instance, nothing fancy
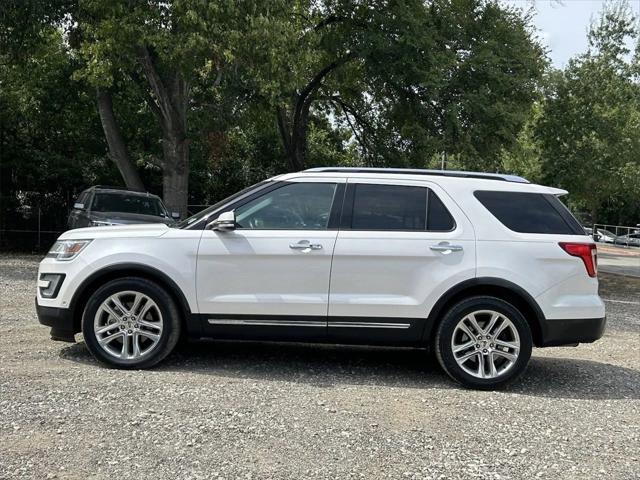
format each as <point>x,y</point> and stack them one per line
<point>249,410</point>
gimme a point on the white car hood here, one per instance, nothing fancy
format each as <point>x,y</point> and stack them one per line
<point>116,231</point>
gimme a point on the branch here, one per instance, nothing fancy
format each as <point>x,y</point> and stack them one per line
<point>359,139</point>
<point>218,79</point>
<point>172,115</point>
<point>156,83</point>
<point>317,79</point>
<point>336,99</point>
<point>151,102</point>
<point>328,21</point>
<point>282,127</point>
<point>304,97</point>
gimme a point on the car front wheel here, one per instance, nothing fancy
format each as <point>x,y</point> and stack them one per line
<point>483,342</point>
<point>130,323</point>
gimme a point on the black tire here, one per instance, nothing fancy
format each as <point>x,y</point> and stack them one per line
<point>445,331</point>
<point>171,325</point>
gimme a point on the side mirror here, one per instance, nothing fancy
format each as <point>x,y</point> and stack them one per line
<point>225,222</point>
<point>78,206</point>
<point>175,215</point>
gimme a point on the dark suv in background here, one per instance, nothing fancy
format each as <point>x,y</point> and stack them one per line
<point>102,206</point>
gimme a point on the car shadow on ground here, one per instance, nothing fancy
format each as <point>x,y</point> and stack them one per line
<point>331,365</point>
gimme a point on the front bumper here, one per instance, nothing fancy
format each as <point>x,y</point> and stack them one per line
<point>572,331</point>
<point>59,319</point>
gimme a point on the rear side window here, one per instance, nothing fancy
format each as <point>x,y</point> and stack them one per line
<point>389,207</point>
<point>398,207</point>
<point>530,212</point>
<point>438,219</point>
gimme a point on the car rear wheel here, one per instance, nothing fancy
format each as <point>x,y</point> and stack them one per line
<point>483,342</point>
<point>131,323</point>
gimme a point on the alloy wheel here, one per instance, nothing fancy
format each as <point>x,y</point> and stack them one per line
<point>485,344</point>
<point>128,325</point>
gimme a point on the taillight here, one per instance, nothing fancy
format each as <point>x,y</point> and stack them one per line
<point>587,252</point>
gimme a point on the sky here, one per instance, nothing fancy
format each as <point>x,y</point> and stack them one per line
<point>562,25</point>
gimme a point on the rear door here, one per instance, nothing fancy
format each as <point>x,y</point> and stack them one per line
<point>401,245</point>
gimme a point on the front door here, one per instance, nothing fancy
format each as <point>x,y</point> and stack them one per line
<point>269,278</point>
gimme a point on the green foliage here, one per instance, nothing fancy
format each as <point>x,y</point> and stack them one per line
<point>394,84</point>
<point>463,88</point>
<point>589,132</point>
<point>186,36</point>
<point>50,138</point>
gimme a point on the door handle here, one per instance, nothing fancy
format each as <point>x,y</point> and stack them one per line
<point>305,245</point>
<point>446,248</point>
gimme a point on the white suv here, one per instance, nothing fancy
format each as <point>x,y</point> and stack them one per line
<point>480,267</point>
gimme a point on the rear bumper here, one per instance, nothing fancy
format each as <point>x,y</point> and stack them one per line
<point>59,319</point>
<point>571,331</point>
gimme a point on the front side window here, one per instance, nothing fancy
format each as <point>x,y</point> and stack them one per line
<point>296,206</point>
<point>389,207</point>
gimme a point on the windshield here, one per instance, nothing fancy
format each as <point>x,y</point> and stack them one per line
<point>207,211</point>
<point>125,203</point>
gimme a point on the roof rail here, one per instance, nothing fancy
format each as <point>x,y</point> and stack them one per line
<point>420,171</point>
<point>111,187</point>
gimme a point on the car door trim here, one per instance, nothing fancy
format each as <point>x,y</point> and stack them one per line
<point>368,325</point>
<point>307,321</point>
<point>287,322</point>
<point>266,323</point>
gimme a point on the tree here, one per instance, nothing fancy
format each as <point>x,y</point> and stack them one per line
<point>117,146</point>
<point>588,133</point>
<point>409,80</point>
<point>165,48</point>
<point>51,145</point>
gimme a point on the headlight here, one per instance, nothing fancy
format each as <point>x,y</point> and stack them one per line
<point>67,249</point>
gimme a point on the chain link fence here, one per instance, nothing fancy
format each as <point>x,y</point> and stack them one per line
<point>34,226</point>
<point>621,235</point>
<point>31,222</point>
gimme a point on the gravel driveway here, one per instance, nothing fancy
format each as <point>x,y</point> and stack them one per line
<point>249,410</point>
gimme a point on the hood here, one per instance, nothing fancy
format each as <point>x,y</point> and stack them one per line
<point>121,218</point>
<point>117,231</point>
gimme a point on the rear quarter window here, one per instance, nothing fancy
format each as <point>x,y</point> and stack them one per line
<point>526,212</point>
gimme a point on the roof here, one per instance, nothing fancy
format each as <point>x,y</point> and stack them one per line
<point>419,171</point>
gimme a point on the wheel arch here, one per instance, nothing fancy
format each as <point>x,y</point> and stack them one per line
<point>495,287</point>
<point>121,270</point>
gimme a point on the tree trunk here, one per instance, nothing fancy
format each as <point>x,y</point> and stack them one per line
<point>175,177</point>
<point>294,140</point>
<point>169,104</point>
<point>293,125</point>
<point>117,147</point>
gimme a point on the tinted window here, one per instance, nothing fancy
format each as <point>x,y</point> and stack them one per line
<point>123,203</point>
<point>207,211</point>
<point>529,212</point>
<point>389,207</point>
<point>297,206</point>
<point>439,219</point>
<point>83,198</point>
